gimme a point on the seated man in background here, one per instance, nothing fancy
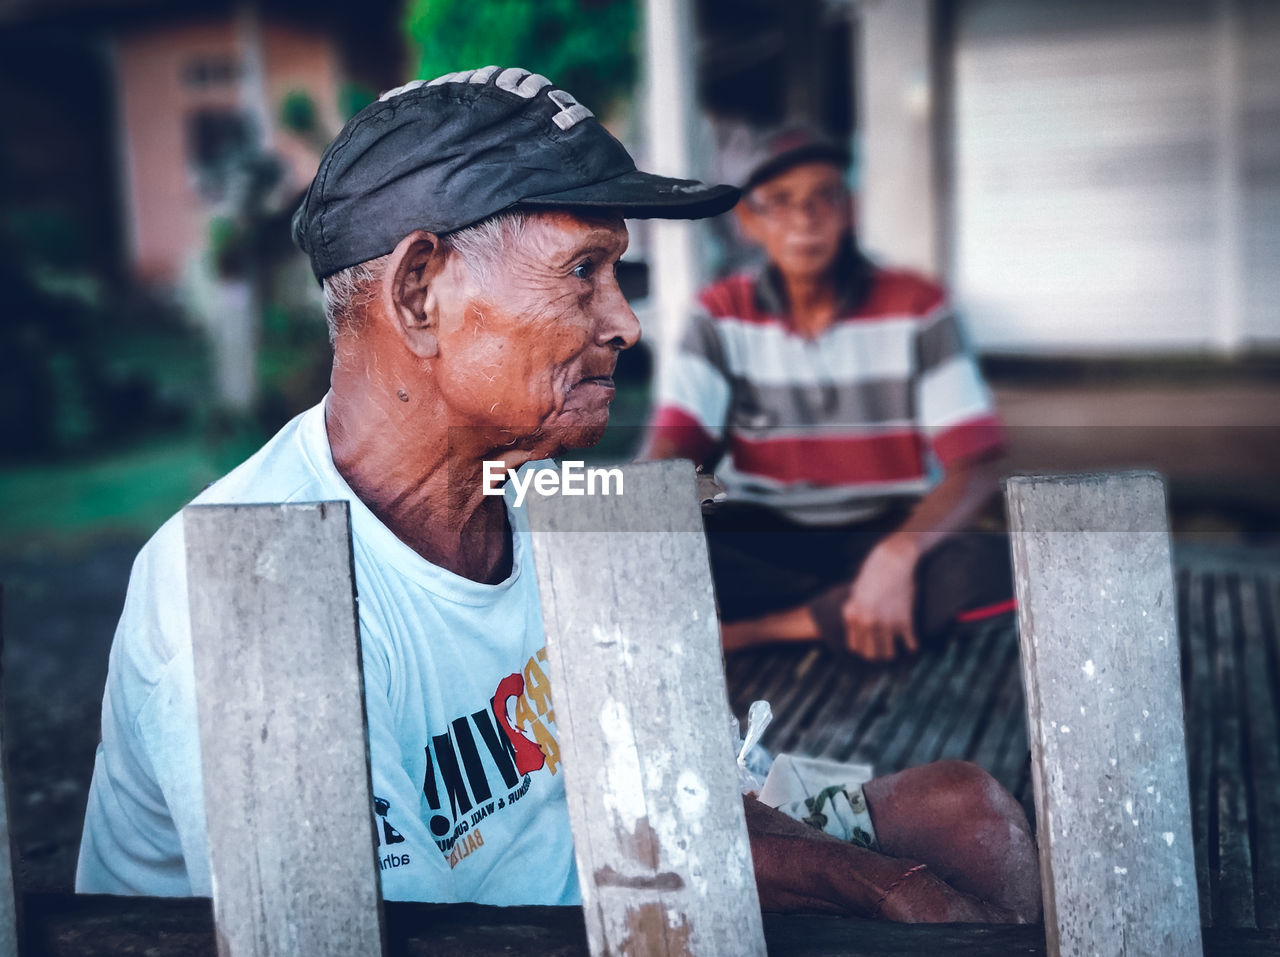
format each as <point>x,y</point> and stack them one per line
<point>467,233</point>
<point>823,389</point>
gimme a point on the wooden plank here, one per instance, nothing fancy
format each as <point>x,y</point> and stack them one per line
<point>283,740</point>
<point>834,733</point>
<point>1235,864</point>
<point>784,697</point>
<point>773,672</point>
<point>1013,764</point>
<point>845,721</point>
<point>84,925</point>
<point>9,915</point>
<point>883,722</point>
<point>1200,725</point>
<point>1100,667</point>
<point>664,863</point>
<point>962,697</point>
<point>915,706</point>
<point>1260,710</point>
<point>997,660</point>
<point>797,713</point>
<point>1007,714</point>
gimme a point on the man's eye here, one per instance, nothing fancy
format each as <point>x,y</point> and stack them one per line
<point>584,269</point>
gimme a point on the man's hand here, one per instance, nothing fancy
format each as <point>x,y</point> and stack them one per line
<point>879,611</point>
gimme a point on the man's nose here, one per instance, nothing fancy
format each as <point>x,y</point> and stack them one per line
<point>616,323</point>
<point>810,211</point>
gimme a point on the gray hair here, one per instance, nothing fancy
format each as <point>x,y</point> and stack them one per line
<point>480,246</point>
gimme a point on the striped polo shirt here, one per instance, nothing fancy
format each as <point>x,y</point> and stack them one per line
<point>827,429</point>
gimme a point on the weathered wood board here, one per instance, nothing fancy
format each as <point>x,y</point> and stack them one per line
<point>664,862</point>
<point>8,890</point>
<point>1104,703</point>
<point>284,745</point>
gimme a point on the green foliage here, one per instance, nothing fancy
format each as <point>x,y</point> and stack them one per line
<point>126,491</point>
<point>586,47</point>
<point>354,97</point>
<point>293,363</point>
<point>85,364</point>
<point>298,113</point>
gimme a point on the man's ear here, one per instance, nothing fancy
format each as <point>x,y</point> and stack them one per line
<point>408,296</point>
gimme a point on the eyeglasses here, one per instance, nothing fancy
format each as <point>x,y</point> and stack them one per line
<point>822,202</point>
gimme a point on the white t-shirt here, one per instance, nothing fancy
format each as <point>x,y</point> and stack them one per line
<point>469,794</point>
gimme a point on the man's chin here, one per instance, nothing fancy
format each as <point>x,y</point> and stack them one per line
<point>580,436</point>
<point>552,440</point>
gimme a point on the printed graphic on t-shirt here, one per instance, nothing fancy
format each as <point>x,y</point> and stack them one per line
<point>516,733</point>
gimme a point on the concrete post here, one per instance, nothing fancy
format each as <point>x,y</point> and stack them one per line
<point>676,269</point>
<point>899,214</point>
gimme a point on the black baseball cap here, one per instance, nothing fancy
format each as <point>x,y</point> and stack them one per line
<point>789,147</point>
<point>444,154</point>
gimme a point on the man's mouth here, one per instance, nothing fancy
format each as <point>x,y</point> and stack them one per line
<point>601,381</point>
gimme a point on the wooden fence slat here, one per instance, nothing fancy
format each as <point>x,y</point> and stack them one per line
<point>279,692</point>
<point>660,837</point>
<point>1100,667</point>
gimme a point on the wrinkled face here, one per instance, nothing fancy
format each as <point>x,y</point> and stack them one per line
<point>799,217</point>
<point>528,357</point>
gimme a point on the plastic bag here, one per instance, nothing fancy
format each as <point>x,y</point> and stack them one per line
<point>753,760</point>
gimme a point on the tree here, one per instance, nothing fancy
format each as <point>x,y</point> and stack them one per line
<point>584,46</point>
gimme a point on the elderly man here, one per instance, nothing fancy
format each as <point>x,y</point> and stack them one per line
<point>828,389</point>
<point>467,231</point>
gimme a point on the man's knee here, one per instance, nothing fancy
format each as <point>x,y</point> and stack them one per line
<point>975,794</point>
<point>960,820</point>
<point>941,792</point>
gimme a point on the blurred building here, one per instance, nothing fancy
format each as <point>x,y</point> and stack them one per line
<point>192,97</point>
<point>1090,177</point>
<point>165,144</point>
<point>126,112</point>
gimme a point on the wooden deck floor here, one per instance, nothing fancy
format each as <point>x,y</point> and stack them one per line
<point>964,700</point>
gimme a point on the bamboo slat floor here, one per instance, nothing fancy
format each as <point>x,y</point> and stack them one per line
<point>964,700</point>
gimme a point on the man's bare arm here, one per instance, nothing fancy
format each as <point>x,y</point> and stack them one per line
<point>878,613</point>
<point>800,869</point>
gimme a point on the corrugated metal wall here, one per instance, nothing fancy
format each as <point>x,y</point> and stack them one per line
<point>1260,168</point>
<point>1117,174</point>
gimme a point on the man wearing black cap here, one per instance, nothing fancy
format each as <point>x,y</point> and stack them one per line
<point>466,232</point>
<point>826,392</point>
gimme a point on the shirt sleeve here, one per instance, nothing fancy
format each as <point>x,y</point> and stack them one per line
<point>694,393</point>
<point>954,405</point>
<point>144,825</point>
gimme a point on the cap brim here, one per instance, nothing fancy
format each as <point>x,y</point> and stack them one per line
<point>639,195</point>
<point>816,151</point>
